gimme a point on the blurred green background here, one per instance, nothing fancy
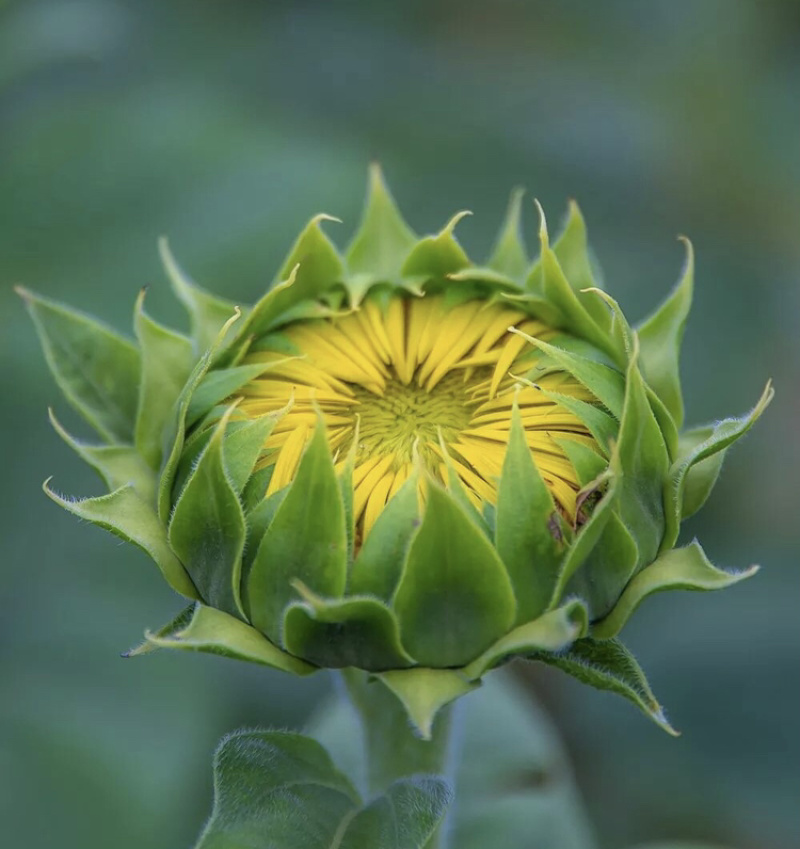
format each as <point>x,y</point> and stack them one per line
<point>226,126</point>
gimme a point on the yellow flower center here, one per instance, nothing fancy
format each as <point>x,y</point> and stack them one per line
<point>413,377</point>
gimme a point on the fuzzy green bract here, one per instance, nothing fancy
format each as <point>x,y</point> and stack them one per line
<point>439,593</point>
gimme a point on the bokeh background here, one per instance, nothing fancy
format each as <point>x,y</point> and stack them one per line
<point>226,126</point>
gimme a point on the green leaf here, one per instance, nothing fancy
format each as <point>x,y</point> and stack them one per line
<point>208,314</point>
<point>127,516</point>
<point>509,256</point>
<point>588,464</point>
<point>685,568</point>
<point>276,790</point>
<point>207,529</point>
<point>660,338</point>
<point>306,541</point>
<point>528,532</point>
<point>167,360</point>
<point>437,256</point>
<point>117,465</point>
<point>606,383</point>
<point>176,431</point>
<point>383,240</point>
<point>356,631</point>
<point>208,630</point>
<point>312,268</point>
<point>219,384</point>
<point>551,632</point>
<point>723,434</point>
<point>424,692</point>
<point>96,369</point>
<point>403,818</point>
<point>644,463</point>
<point>455,598</point>
<point>608,665</point>
<point>379,564</point>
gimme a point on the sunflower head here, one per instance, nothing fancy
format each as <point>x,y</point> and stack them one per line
<point>402,461</point>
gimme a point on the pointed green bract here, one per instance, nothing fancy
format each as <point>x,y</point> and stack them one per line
<point>384,240</point>
<point>700,478</point>
<point>207,529</point>
<point>207,313</point>
<point>608,665</point>
<point>528,534</point>
<point>357,631</point>
<point>660,338</point>
<point>723,435</point>
<point>167,360</point>
<point>434,257</point>
<point>643,462</point>
<point>306,541</point>
<point>603,427</point>
<point>210,631</point>
<point>95,368</point>
<point>679,569</point>
<point>379,564</point>
<point>607,384</point>
<point>243,446</point>
<point>424,692</point>
<point>455,597</point>
<point>117,465</point>
<point>509,256</point>
<point>216,386</point>
<point>127,516</point>
<point>551,632</point>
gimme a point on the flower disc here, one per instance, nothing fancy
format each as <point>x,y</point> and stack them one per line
<point>415,377</point>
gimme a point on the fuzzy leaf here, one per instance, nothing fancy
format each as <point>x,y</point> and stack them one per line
<point>723,434</point>
<point>551,632</point>
<point>380,562</point>
<point>685,568</point>
<point>455,598</point>
<point>127,516</point>
<point>96,369</point>
<point>603,427</point>
<point>244,443</point>
<point>437,256</point>
<point>424,692</point>
<point>167,360</point>
<point>383,240</point>
<point>117,465</point>
<point>276,790</point>
<point>306,541</point>
<point>509,256</point>
<point>207,529</point>
<point>660,338</point>
<point>701,477</point>
<point>528,534</point>
<point>208,630</point>
<point>356,631</point>
<point>207,313</point>
<point>608,665</point>
<point>402,818</point>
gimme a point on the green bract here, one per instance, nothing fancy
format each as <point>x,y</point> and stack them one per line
<point>440,590</point>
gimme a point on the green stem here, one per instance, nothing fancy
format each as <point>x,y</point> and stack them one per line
<point>393,750</point>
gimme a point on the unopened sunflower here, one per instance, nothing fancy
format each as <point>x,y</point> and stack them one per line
<point>401,461</point>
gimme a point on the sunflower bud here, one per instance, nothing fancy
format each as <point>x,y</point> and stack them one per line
<point>401,461</point>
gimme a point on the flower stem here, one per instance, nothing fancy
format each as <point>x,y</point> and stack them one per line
<point>393,750</point>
